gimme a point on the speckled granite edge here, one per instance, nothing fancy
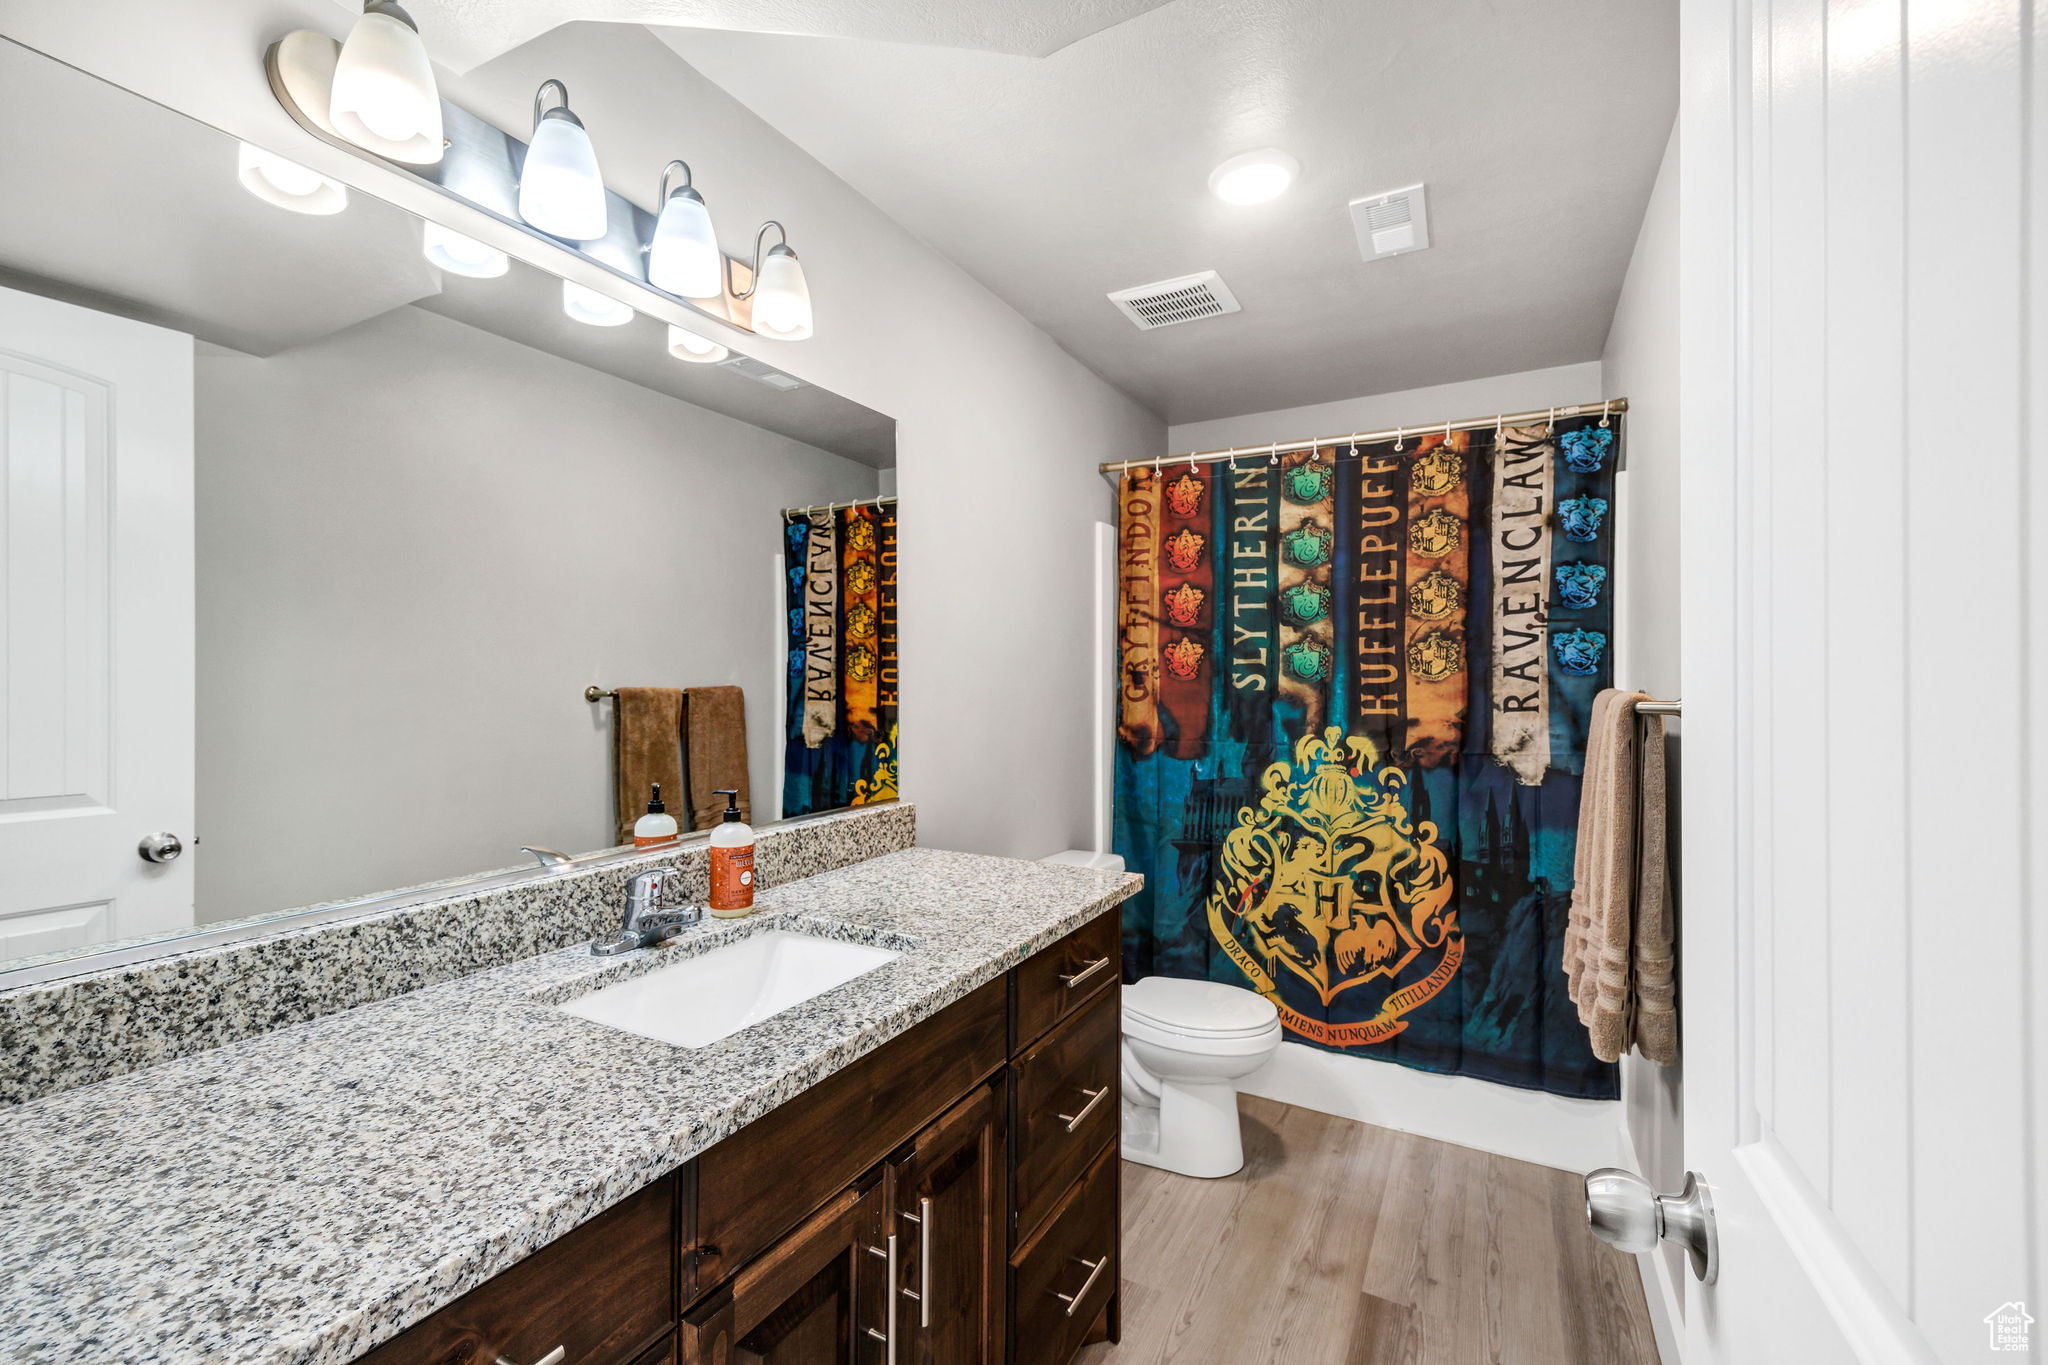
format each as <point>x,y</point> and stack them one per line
<point>56,1035</point>
<point>306,1195</point>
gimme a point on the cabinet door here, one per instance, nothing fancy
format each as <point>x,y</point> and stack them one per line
<point>947,1193</point>
<point>817,1297</point>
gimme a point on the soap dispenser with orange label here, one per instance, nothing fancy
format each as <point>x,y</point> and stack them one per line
<point>732,862</point>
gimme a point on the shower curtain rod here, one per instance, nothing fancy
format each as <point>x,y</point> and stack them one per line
<point>789,512</point>
<point>1612,407</point>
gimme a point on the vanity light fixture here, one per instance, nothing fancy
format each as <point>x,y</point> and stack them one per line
<point>1254,177</point>
<point>384,97</point>
<point>684,258</point>
<point>782,300</point>
<point>459,255</point>
<point>685,344</point>
<point>585,304</point>
<point>560,189</point>
<point>287,184</point>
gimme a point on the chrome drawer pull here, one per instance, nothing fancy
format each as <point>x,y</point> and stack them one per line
<point>924,1262</point>
<point>1073,1300</point>
<point>1073,1121</point>
<point>1078,977</point>
<point>554,1357</point>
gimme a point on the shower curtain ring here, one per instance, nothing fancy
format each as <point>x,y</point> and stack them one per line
<point>1191,462</point>
<point>1500,424</point>
<point>1447,433</point>
<point>1605,404</point>
<point>1400,437</point>
<point>1273,456</point>
<point>1550,425</point>
<point>1233,459</point>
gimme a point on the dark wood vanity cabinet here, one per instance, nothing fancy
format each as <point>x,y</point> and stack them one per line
<point>949,1199</point>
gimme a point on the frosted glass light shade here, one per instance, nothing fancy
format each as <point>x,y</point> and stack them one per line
<point>599,310</point>
<point>684,258</point>
<point>287,184</point>
<point>459,255</point>
<point>560,189</point>
<point>782,300</point>
<point>384,97</point>
<point>685,344</point>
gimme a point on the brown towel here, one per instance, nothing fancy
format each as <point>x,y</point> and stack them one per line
<point>647,748</point>
<point>717,729</point>
<point>1617,950</point>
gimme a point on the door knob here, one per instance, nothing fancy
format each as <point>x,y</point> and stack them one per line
<point>1625,1211</point>
<point>160,848</point>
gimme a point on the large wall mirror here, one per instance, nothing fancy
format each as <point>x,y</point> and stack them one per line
<point>314,545</point>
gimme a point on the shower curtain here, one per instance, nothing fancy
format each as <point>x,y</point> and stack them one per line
<point>1354,686</point>
<point>839,744</point>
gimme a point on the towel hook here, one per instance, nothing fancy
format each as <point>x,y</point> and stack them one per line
<point>1605,404</point>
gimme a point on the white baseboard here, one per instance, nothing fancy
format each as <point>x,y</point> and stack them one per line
<point>1528,1125</point>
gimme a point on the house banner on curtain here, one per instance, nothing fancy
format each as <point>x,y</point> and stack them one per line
<point>1354,690</point>
<point>840,590</point>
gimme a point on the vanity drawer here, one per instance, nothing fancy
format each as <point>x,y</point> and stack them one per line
<point>765,1179</point>
<point>603,1294</point>
<point>1063,1107</point>
<point>1051,984</point>
<point>1074,1255</point>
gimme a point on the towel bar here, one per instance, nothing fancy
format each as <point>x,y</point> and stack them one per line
<point>594,693</point>
<point>1648,708</point>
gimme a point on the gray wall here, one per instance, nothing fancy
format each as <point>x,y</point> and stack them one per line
<point>1640,362</point>
<point>418,543</point>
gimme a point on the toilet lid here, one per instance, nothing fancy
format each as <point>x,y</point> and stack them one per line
<point>1207,1009</point>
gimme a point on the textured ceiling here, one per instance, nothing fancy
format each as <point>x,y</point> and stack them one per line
<point>463,34</point>
<point>1057,179</point>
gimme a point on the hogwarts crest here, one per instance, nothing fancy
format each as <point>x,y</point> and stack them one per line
<point>1435,656</point>
<point>1307,544</point>
<point>1184,551</point>
<point>1307,659</point>
<point>860,536</point>
<point>860,578</point>
<point>1184,496</point>
<point>1578,651</point>
<point>1308,482</point>
<point>1436,535</point>
<point>1435,595</point>
<point>860,663</point>
<point>1183,658</point>
<point>860,621</point>
<point>1437,473</point>
<point>1184,604</point>
<point>1325,880</point>
<point>1305,602</point>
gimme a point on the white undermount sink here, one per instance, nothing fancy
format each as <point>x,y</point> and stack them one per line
<point>715,994</point>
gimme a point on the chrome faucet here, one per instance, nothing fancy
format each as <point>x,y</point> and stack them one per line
<point>646,923</point>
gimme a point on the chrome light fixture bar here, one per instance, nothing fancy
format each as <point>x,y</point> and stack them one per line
<point>481,168</point>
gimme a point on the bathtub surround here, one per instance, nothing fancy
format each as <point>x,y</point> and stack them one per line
<point>310,1193</point>
<point>59,1035</point>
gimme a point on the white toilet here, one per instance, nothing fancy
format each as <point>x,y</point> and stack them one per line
<point>1186,1046</point>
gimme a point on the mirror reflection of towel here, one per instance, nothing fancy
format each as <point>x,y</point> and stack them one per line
<point>715,728</point>
<point>647,733</point>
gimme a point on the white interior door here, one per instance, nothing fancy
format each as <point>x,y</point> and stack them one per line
<point>1864,682</point>
<point>96,625</point>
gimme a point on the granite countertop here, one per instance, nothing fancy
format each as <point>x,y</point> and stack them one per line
<point>307,1194</point>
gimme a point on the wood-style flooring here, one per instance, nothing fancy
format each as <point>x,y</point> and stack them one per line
<point>1344,1244</point>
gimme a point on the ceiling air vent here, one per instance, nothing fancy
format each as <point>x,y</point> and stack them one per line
<point>761,374</point>
<point>1392,223</point>
<point>1187,299</point>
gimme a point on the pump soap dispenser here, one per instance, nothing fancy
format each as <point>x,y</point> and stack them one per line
<point>732,862</point>
<point>655,827</point>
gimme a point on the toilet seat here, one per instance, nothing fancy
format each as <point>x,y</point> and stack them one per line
<point>1172,1011</point>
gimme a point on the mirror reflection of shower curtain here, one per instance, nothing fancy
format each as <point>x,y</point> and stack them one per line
<point>839,746</point>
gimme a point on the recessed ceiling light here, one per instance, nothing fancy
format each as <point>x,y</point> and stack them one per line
<point>1254,177</point>
<point>287,184</point>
